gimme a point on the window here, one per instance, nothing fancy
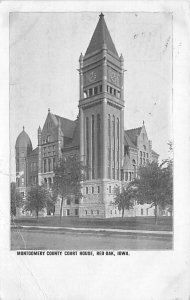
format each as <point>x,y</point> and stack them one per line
<point>115,212</point>
<point>86,212</point>
<point>44,165</point>
<point>118,94</point>
<point>76,201</point>
<point>114,91</point>
<point>93,148</point>
<point>22,194</point>
<point>111,90</point>
<point>110,189</point>
<point>53,162</point>
<point>130,177</point>
<point>98,146</point>
<point>97,212</point>
<point>147,211</point>
<point>85,94</point>
<point>76,212</point>
<point>68,212</point>
<point>95,90</point>
<point>108,88</point>
<point>68,201</point>
<point>91,212</point>
<point>141,211</point>
<point>113,126</point>
<point>100,88</point>
<point>111,212</point>
<point>49,164</point>
<point>113,173</point>
<point>98,189</point>
<point>92,190</point>
<point>86,190</point>
<point>22,180</point>
<point>87,145</point>
<point>90,92</point>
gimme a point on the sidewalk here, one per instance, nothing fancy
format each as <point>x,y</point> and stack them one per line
<point>96,229</point>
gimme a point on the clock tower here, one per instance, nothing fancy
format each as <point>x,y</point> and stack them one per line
<point>101,107</point>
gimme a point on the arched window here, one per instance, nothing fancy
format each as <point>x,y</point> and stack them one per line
<point>134,168</point>
<point>93,150</point>
<point>87,145</point>
<point>98,146</point>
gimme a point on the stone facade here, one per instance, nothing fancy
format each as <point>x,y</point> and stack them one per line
<point>97,136</point>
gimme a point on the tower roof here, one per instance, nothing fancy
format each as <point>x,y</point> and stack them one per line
<point>101,38</point>
<point>23,141</point>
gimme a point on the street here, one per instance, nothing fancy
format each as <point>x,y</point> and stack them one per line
<point>43,239</point>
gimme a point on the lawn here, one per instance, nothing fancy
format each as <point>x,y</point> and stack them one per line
<point>133,223</point>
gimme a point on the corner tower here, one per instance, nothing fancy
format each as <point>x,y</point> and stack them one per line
<point>101,121</point>
<point>23,148</point>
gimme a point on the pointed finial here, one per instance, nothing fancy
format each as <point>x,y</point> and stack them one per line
<point>101,15</point>
<point>143,122</point>
<point>48,110</point>
<point>121,57</point>
<point>23,128</point>
<point>39,129</point>
<point>81,57</point>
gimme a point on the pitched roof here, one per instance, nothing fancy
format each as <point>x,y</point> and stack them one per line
<point>34,152</point>
<point>76,137</point>
<point>67,125</point>
<point>101,37</point>
<point>154,153</point>
<point>127,141</point>
<point>132,134</point>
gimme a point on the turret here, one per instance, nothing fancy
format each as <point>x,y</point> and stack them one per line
<point>39,136</point>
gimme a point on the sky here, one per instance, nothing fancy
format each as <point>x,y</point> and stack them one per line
<point>44,58</point>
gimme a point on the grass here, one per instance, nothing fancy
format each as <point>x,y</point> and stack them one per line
<point>133,223</point>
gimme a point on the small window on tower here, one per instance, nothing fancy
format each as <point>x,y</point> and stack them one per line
<point>95,90</point>
<point>114,91</point>
<point>118,94</point>
<point>100,88</point>
<point>90,92</point>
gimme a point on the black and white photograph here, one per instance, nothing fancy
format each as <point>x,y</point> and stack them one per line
<point>94,156</point>
<point>91,131</point>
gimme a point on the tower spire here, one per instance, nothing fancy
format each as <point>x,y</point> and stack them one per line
<point>100,38</point>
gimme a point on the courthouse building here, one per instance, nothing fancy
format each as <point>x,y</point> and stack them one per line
<point>97,136</point>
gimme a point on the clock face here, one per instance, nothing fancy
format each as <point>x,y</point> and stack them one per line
<point>92,76</point>
<point>113,76</point>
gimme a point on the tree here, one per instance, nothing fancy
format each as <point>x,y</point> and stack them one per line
<point>16,199</point>
<point>67,181</point>
<point>124,197</point>
<point>154,185</point>
<point>38,197</point>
